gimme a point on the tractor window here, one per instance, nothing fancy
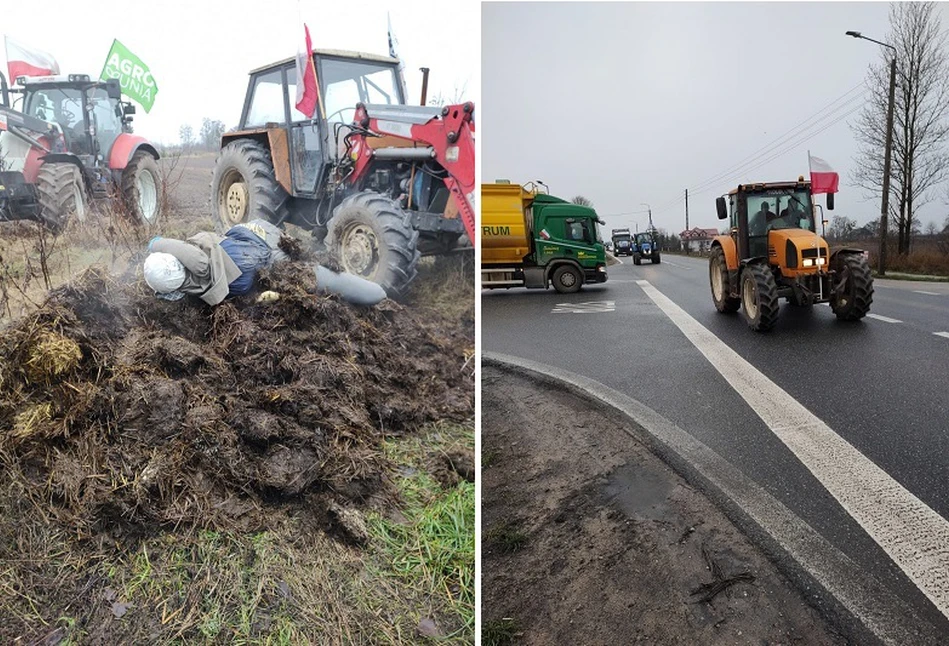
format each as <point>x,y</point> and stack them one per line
<point>266,103</point>
<point>348,82</point>
<point>105,115</point>
<point>295,115</point>
<point>62,106</point>
<point>341,100</point>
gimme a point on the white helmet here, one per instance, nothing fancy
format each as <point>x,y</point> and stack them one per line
<point>163,272</point>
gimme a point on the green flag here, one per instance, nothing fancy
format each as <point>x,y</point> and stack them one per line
<point>134,76</point>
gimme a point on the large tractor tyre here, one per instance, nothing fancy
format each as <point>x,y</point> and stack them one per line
<point>62,194</point>
<point>637,259</point>
<point>853,302</point>
<point>244,186</point>
<point>655,259</point>
<point>759,297</point>
<point>142,189</point>
<point>718,277</point>
<point>567,279</point>
<point>374,238</point>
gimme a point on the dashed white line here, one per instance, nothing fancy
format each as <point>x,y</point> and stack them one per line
<point>908,530</point>
<point>589,307</point>
<point>675,264</point>
<point>945,334</point>
<point>885,319</point>
<point>919,291</point>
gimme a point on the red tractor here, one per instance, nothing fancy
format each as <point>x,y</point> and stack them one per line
<point>377,182</point>
<point>71,141</point>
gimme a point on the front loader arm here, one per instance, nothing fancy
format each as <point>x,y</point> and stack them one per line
<point>448,138</point>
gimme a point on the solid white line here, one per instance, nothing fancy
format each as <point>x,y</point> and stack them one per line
<point>885,319</point>
<point>675,264</point>
<point>945,334</point>
<point>919,291</point>
<point>913,534</point>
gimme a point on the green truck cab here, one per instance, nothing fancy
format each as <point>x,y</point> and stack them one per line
<point>532,239</point>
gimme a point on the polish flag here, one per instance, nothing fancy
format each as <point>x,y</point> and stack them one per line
<point>308,90</point>
<point>25,61</point>
<point>824,179</point>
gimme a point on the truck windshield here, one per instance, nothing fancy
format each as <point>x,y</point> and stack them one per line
<point>780,209</point>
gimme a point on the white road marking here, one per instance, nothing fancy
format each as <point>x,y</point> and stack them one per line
<point>909,531</point>
<point>945,334</point>
<point>885,319</point>
<point>675,264</point>
<point>589,307</point>
<point>919,291</point>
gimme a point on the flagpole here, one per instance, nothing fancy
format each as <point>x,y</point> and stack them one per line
<point>312,66</point>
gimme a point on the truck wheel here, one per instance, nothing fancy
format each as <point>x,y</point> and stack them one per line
<point>718,276</point>
<point>759,297</point>
<point>854,301</point>
<point>244,186</point>
<point>62,194</point>
<point>375,239</point>
<point>567,279</point>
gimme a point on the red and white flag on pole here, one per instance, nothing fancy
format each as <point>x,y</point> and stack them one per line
<point>824,179</point>
<point>26,61</point>
<point>308,90</point>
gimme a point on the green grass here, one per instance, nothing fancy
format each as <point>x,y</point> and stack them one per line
<point>499,632</point>
<point>507,535</point>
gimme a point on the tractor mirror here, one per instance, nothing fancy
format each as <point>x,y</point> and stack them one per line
<point>128,108</point>
<point>830,201</point>
<point>113,89</point>
<point>720,207</point>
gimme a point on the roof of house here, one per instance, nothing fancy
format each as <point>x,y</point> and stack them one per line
<point>699,234</point>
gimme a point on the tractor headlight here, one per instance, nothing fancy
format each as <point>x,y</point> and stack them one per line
<point>822,261</point>
<point>808,262</point>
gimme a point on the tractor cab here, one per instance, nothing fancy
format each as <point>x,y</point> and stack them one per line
<point>90,114</point>
<point>315,145</point>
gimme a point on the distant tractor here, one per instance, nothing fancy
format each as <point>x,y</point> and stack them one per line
<point>773,252</point>
<point>71,141</point>
<point>645,246</point>
<point>377,182</point>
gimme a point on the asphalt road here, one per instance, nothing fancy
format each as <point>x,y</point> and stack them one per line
<point>879,384</point>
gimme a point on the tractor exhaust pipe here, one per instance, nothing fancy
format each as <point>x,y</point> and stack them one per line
<point>6,91</point>
<point>424,84</point>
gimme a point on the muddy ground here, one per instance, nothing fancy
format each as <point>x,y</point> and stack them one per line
<point>588,538</point>
<point>133,425</point>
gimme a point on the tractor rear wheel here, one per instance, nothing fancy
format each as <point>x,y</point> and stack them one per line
<point>718,276</point>
<point>244,186</point>
<point>62,194</point>
<point>853,302</point>
<point>759,297</point>
<point>142,189</point>
<point>374,238</point>
<point>567,279</point>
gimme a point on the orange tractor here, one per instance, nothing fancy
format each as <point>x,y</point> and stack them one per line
<point>773,251</point>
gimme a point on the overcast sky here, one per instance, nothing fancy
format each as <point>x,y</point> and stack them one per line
<point>627,103</point>
<point>200,52</point>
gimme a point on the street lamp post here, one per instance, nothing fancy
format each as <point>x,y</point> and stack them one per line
<point>887,155</point>
<point>648,208</point>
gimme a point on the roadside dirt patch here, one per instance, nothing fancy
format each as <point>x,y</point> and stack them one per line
<point>129,414</point>
<point>588,538</point>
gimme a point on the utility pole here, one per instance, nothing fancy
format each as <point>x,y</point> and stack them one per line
<point>686,209</point>
<point>887,155</point>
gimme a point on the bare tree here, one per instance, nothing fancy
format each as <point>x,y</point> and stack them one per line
<point>842,227</point>
<point>931,229</point>
<point>920,116</point>
<point>210,134</point>
<point>186,135</point>
<point>457,95</point>
<point>582,201</point>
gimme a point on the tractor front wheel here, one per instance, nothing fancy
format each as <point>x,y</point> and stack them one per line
<point>244,186</point>
<point>853,300</point>
<point>567,279</point>
<point>61,193</point>
<point>718,276</point>
<point>142,189</point>
<point>759,297</point>
<point>637,259</point>
<point>655,259</point>
<point>374,238</point>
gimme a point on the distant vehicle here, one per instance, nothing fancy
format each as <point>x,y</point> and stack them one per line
<point>531,239</point>
<point>774,252</point>
<point>645,245</point>
<point>622,242</point>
